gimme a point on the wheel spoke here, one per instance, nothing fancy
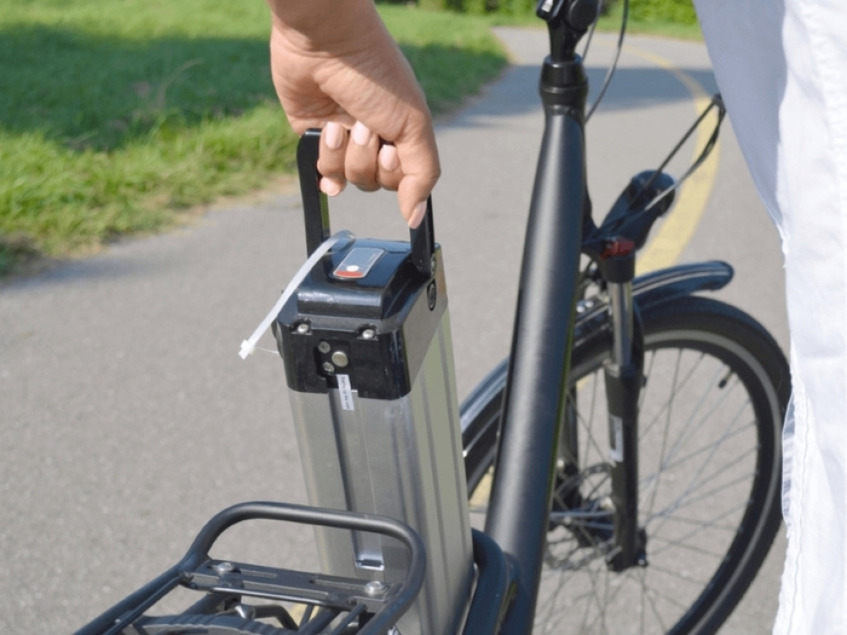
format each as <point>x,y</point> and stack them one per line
<point>665,571</point>
<point>706,403</point>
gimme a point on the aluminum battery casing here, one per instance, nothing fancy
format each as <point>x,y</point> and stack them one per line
<point>369,364</point>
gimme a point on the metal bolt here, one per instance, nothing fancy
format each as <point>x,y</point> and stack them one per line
<point>329,369</point>
<point>432,295</point>
<point>303,328</point>
<point>368,334</point>
<point>223,567</point>
<point>340,359</point>
<point>324,347</point>
<point>374,587</point>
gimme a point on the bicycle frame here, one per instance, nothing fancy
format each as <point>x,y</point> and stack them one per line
<point>509,554</point>
<point>537,381</point>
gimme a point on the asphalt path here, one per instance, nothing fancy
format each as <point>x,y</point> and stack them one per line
<point>127,418</point>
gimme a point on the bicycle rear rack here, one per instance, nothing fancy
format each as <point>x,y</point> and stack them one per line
<point>344,605</point>
<point>341,602</point>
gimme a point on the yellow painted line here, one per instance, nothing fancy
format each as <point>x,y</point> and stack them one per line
<point>677,229</point>
<point>479,497</point>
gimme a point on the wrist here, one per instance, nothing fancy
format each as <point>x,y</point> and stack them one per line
<point>325,25</point>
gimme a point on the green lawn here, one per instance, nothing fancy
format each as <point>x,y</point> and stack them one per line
<point>121,116</point>
<point>117,116</point>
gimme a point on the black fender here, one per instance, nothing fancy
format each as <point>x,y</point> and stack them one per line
<point>652,289</point>
<point>481,408</point>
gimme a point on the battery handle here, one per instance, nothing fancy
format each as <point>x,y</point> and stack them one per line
<point>316,208</point>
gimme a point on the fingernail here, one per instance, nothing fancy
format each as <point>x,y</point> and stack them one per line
<point>388,160</point>
<point>360,134</point>
<point>417,214</point>
<point>333,135</point>
<point>330,187</point>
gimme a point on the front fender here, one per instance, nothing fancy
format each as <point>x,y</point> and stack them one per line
<point>654,288</point>
<point>480,411</point>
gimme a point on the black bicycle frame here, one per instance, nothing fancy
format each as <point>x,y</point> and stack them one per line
<point>536,391</point>
<point>536,406</point>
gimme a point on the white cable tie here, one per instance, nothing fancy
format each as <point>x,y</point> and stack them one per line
<point>248,346</point>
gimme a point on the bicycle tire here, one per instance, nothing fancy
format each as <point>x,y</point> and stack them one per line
<point>706,537</point>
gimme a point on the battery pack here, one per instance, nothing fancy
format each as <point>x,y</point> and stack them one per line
<point>365,340</point>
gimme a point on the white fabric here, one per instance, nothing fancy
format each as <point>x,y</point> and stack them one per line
<point>781,66</point>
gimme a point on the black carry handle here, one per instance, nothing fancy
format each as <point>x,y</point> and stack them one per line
<point>316,209</point>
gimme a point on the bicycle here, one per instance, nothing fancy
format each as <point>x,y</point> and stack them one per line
<point>599,481</point>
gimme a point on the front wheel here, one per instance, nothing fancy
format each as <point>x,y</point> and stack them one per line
<point>715,392</point>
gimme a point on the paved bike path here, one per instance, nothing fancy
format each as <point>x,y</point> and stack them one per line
<point>127,418</point>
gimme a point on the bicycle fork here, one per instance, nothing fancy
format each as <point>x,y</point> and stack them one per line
<point>610,523</point>
<point>623,374</point>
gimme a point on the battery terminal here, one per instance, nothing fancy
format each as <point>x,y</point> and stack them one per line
<point>340,359</point>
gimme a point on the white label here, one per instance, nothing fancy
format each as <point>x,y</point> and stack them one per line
<point>616,447</point>
<point>345,392</point>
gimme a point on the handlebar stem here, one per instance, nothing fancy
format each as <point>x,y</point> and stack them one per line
<point>567,21</point>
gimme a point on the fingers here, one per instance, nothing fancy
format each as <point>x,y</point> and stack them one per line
<point>331,158</point>
<point>389,173</point>
<point>360,160</point>
<point>359,156</point>
<point>356,156</point>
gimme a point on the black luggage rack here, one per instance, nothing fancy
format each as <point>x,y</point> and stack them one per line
<point>336,604</point>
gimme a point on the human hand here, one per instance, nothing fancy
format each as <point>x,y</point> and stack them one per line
<point>336,67</point>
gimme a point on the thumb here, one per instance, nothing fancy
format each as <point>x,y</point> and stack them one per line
<point>412,195</point>
<point>420,166</point>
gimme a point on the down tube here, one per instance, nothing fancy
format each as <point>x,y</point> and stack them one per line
<point>535,394</point>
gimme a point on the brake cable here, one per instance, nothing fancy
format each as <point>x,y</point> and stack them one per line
<point>716,102</point>
<point>607,80</point>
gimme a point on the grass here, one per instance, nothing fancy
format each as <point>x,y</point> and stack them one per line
<point>668,18</point>
<point>638,22</point>
<point>122,116</point>
<point>644,22</point>
<point>119,116</point>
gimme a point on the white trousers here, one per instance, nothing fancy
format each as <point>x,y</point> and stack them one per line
<point>781,66</point>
